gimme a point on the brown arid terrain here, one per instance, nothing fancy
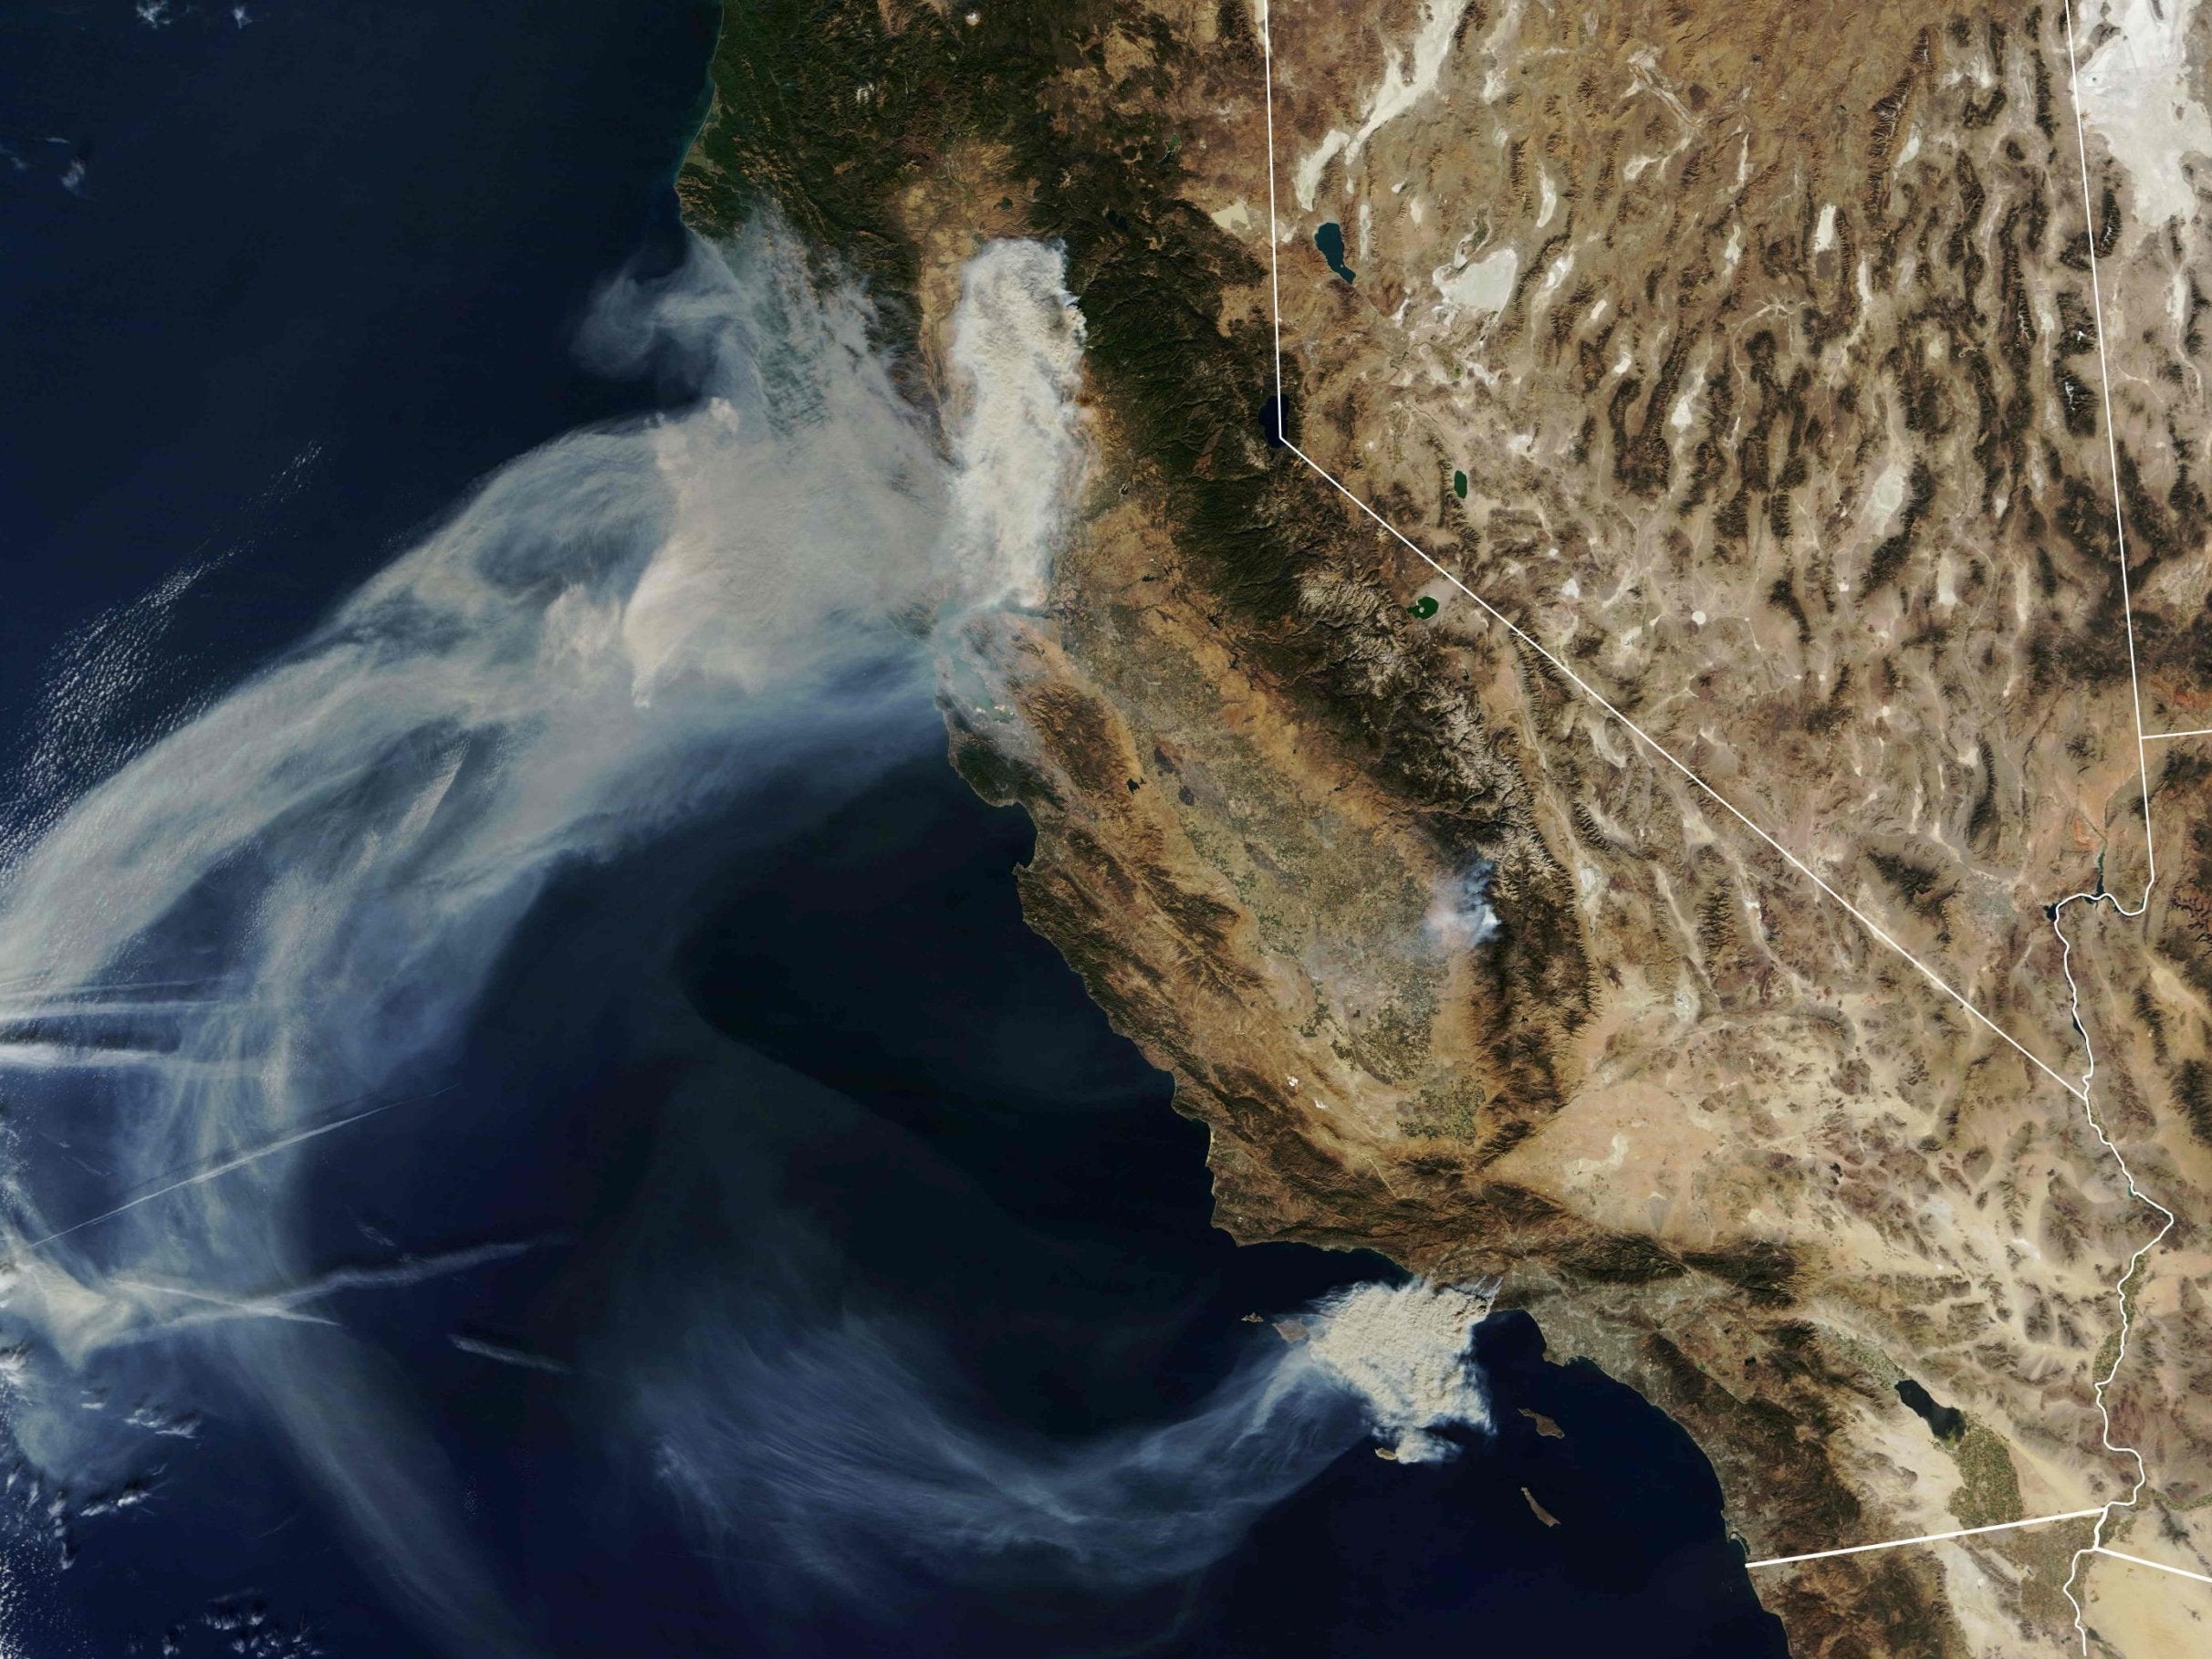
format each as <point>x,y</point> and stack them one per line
<point>1772,367</point>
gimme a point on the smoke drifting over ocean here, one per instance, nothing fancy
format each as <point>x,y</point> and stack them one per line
<point>843,1451</point>
<point>269,930</point>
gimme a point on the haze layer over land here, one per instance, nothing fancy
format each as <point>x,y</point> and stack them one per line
<point>1788,374</point>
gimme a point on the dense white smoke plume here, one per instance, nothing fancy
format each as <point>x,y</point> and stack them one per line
<point>1459,914</point>
<point>1018,344</point>
<point>1403,1351</point>
<point>273,923</point>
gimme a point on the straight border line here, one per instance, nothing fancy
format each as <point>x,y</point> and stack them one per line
<point>1658,748</point>
<point>2179,1572</point>
<point>2080,1092</point>
<point>2112,454</point>
<point>1925,1537</point>
<point>2150,879</point>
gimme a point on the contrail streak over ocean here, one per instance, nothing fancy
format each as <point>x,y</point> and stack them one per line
<point>235,1162</point>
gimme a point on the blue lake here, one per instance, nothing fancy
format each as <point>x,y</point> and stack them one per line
<point>1329,239</point>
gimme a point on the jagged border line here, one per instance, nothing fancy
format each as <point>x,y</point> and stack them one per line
<point>2080,1091</point>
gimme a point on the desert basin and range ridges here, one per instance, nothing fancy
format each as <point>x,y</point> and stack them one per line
<point>1767,342</point>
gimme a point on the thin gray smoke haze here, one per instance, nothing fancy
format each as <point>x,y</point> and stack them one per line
<point>615,632</point>
<point>843,1445</point>
<point>283,914</point>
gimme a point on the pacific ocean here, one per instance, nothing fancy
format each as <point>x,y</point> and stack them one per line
<point>281,289</point>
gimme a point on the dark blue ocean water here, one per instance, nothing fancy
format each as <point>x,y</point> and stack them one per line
<point>319,272</point>
<point>316,274</point>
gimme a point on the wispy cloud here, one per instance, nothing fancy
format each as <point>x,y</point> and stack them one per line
<point>218,961</point>
<point>613,633</point>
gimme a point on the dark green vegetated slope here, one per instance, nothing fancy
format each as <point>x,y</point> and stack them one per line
<point>828,115</point>
<point>821,110</point>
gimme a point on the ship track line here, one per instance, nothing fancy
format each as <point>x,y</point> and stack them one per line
<point>2079,1091</point>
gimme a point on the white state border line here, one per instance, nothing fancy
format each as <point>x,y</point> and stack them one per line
<point>2150,879</point>
<point>1925,1537</point>
<point>2202,731</point>
<point>2111,449</point>
<point>1658,748</point>
<point>2179,1572</point>
<point>2080,1092</point>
